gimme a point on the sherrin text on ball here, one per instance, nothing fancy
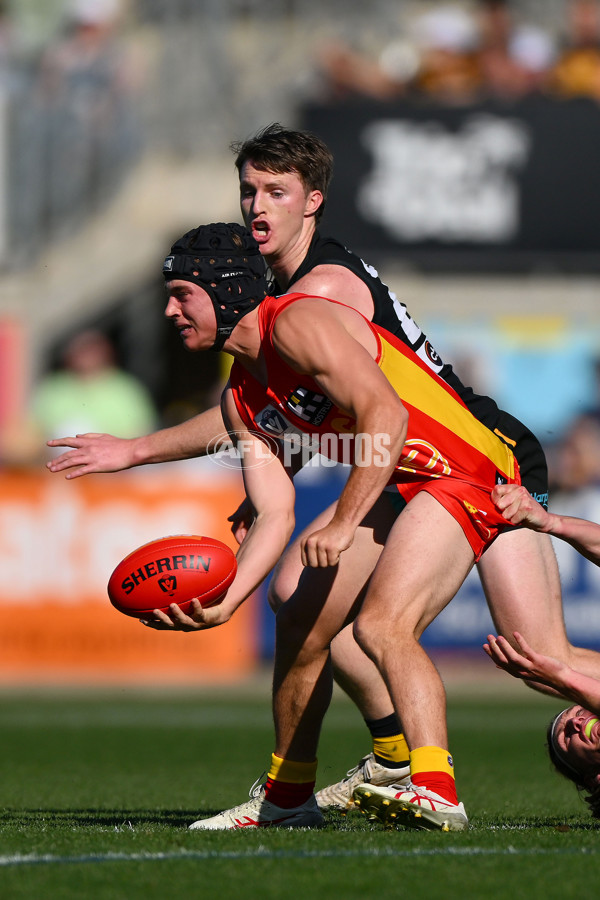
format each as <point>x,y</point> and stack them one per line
<point>174,569</point>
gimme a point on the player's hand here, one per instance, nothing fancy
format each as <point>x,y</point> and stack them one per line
<point>91,453</point>
<point>323,548</point>
<point>241,520</point>
<point>526,663</point>
<point>518,506</point>
<point>198,619</point>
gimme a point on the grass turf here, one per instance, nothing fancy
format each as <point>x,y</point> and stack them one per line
<point>97,792</point>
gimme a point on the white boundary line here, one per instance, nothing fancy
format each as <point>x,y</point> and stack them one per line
<point>261,853</point>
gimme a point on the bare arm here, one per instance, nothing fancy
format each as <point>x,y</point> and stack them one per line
<point>538,669</point>
<point>94,453</point>
<point>518,506</point>
<point>338,350</point>
<point>270,491</point>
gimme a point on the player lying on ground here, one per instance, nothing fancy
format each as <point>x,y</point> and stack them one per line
<point>574,734</point>
<point>311,371</point>
<point>284,176</point>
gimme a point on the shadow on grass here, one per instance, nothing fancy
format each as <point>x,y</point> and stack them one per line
<point>101,818</point>
<point>138,819</point>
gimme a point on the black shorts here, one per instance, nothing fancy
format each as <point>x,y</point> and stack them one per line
<point>529,454</point>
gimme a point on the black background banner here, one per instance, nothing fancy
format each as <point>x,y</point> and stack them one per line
<point>481,187</point>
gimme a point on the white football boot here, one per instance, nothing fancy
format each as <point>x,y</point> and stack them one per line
<point>260,813</point>
<point>410,805</point>
<point>369,771</point>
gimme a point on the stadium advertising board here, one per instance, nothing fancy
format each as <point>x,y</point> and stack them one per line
<point>59,543</point>
<point>489,186</point>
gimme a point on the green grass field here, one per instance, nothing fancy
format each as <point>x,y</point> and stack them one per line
<point>97,791</point>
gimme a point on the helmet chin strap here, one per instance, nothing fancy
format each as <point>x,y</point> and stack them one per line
<point>223,329</point>
<point>223,333</point>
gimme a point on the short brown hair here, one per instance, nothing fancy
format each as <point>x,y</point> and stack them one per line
<point>278,149</point>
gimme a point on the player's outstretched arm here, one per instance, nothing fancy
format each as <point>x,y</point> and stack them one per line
<point>101,453</point>
<point>518,506</point>
<point>538,669</point>
<point>270,491</point>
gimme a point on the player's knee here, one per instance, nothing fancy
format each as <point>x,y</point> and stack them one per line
<point>379,636</point>
<point>368,636</point>
<point>281,588</point>
<point>274,597</point>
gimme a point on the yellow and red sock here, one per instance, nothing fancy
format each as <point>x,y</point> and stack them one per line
<point>290,783</point>
<point>433,768</point>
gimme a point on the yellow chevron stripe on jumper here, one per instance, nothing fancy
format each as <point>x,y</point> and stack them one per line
<point>420,390</point>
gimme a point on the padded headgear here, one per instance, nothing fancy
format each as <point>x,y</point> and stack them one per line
<point>225,260</point>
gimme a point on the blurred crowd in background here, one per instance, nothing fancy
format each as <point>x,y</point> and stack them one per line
<point>456,53</point>
<point>89,87</point>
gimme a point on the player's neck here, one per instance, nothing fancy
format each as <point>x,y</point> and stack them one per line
<point>285,264</point>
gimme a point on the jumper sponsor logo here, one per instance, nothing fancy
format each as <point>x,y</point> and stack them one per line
<point>165,564</point>
<point>309,405</point>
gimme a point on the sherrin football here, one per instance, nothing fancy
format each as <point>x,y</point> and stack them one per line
<point>173,569</point>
